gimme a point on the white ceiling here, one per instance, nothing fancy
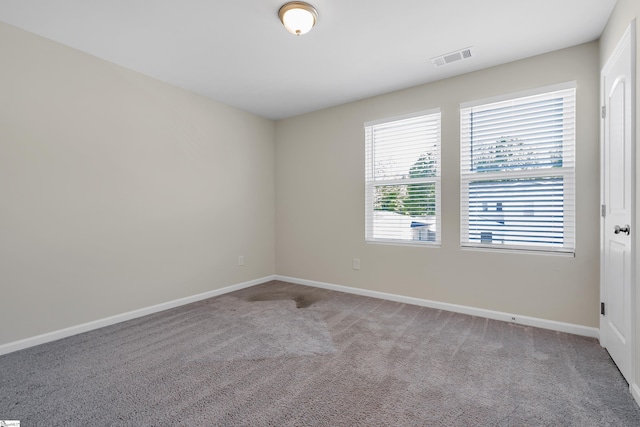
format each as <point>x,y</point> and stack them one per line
<point>237,51</point>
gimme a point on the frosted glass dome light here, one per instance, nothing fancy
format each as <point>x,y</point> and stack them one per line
<point>298,17</point>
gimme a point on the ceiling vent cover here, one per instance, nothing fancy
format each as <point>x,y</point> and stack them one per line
<point>448,58</point>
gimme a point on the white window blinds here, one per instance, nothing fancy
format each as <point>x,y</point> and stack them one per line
<point>403,180</point>
<point>517,172</point>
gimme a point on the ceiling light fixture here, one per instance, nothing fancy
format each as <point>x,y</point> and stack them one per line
<point>298,17</point>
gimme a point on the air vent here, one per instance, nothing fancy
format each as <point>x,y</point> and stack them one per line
<point>448,58</point>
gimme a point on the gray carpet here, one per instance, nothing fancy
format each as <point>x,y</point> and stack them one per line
<point>285,355</point>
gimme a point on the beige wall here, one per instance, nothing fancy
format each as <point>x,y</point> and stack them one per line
<point>118,192</point>
<point>320,201</point>
<point>625,12</point>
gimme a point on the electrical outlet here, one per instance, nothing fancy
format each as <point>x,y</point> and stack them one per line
<point>356,264</point>
<point>241,260</point>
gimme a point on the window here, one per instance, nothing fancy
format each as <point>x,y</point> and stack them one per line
<point>517,172</point>
<point>403,180</point>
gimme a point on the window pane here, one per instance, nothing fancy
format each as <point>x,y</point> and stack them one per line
<point>399,146</point>
<point>405,212</point>
<point>517,137</point>
<point>517,211</point>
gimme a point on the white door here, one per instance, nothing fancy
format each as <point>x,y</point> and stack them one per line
<point>618,228</point>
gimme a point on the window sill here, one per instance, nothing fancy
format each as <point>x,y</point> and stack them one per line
<point>404,243</point>
<point>519,251</point>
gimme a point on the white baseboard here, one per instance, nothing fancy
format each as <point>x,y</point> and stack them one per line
<point>100,323</point>
<point>479,312</point>
<point>107,321</point>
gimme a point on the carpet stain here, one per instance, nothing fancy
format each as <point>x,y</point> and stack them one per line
<point>301,300</point>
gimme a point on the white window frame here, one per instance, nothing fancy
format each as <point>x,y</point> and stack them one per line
<point>566,171</point>
<point>371,182</point>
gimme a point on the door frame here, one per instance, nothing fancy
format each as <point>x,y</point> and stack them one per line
<point>630,38</point>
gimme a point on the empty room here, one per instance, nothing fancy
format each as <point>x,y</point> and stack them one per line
<point>323,213</point>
